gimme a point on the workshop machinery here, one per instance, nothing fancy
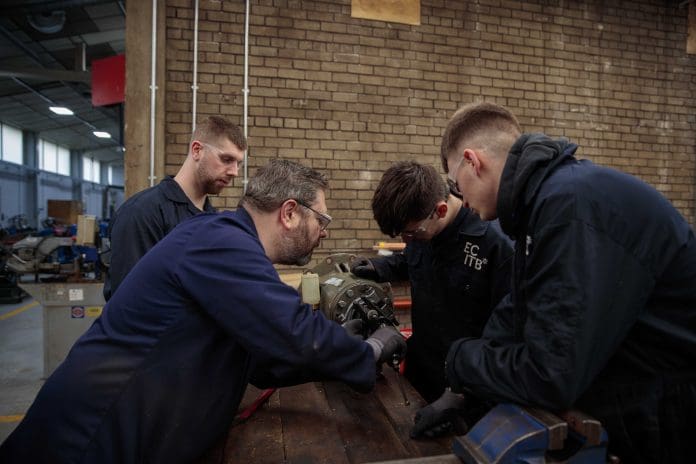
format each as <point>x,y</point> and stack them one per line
<point>66,270</point>
<point>16,229</point>
<point>343,296</point>
<point>9,290</point>
<point>54,254</point>
<point>508,433</point>
<point>331,288</point>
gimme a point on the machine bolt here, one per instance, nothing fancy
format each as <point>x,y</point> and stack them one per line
<point>350,293</point>
<point>341,304</point>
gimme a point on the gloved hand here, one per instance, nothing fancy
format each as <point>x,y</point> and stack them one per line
<point>363,267</point>
<point>440,417</point>
<point>386,342</point>
<point>355,327</point>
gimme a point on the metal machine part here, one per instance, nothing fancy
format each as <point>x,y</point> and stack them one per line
<point>345,296</point>
<point>59,256</point>
<point>36,254</point>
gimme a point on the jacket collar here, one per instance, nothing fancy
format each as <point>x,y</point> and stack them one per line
<point>531,160</point>
<point>174,193</point>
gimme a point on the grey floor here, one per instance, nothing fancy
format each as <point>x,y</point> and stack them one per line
<point>21,361</point>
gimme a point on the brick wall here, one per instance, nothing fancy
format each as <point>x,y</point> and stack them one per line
<point>350,96</point>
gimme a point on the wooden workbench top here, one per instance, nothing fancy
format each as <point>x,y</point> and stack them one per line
<point>328,422</point>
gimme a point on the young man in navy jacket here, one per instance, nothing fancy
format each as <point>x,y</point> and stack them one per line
<point>458,268</point>
<point>602,314</point>
<point>214,157</point>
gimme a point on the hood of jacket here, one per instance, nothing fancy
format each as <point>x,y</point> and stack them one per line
<point>531,159</point>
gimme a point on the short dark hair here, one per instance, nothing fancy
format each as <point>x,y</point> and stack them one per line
<point>487,124</point>
<point>215,127</point>
<point>407,192</point>
<point>280,180</point>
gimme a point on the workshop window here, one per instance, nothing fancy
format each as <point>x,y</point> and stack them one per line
<point>63,161</point>
<point>54,158</point>
<point>90,169</point>
<point>11,147</point>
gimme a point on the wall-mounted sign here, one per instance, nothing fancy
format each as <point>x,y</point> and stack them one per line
<point>395,11</point>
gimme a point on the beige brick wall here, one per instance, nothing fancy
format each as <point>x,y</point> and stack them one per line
<point>350,96</point>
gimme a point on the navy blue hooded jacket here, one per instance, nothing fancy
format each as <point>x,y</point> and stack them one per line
<point>159,376</point>
<point>604,292</point>
<point>456,279</point>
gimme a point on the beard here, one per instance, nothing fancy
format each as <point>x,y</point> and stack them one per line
<point>297,248</point>
<point>211,184</point>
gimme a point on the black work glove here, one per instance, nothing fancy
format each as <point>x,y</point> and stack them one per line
<point>442,416</point>
<point>363,267</point>
<point>354,328</point>
<point>387,343</point>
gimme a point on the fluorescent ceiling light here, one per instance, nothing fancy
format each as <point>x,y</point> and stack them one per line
<point>102,135</point>
<point>61,110</point>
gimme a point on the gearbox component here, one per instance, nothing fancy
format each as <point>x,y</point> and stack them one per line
<point>344,296</point>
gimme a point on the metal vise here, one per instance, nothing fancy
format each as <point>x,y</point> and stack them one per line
<point>343,296</point>
<point>514,434</point>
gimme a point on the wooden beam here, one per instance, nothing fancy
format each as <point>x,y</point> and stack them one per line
<point>691,37</point>
<point>137,108</point>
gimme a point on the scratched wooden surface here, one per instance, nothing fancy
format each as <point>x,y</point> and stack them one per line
<point>327,422</point>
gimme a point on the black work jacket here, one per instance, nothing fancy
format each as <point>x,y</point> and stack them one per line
<point>143,220</point>
<point>456,279</point>
<point>604,284</point>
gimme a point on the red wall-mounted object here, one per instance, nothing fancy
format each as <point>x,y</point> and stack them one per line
<point>109,80</point>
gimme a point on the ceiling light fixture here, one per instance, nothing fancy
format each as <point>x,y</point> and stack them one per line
<point>102,135</point>
<point>47,22</point>
<point>63,111</point>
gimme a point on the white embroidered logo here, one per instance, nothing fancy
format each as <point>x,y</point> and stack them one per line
<point>529,244</point>
<point>471,258</point>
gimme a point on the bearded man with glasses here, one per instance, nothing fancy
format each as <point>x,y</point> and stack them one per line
<point>160,374</point>
<point>215,155</point>
<point>458,268</point>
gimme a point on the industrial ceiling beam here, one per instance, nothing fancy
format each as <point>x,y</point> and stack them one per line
<point>38,6</point>
<point>43,74</point>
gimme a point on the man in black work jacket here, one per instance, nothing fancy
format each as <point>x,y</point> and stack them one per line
<point>602,314</point>
<point>458,268</point>
<point>160,374</point>
<point>215,154</point>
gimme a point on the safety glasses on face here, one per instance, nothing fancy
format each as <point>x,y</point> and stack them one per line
<point>323,218</point>
<point>454,189</point>
<point>225,158</point>
<point>419,230</point>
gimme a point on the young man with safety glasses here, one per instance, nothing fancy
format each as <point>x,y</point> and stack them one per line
<point>458,268</point>
<point>215,155</point>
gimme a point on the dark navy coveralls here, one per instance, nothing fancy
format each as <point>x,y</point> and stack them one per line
<point>602,314</point>
<point>456,279</point>
<point>143,220</point>
<point>160,374</point>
